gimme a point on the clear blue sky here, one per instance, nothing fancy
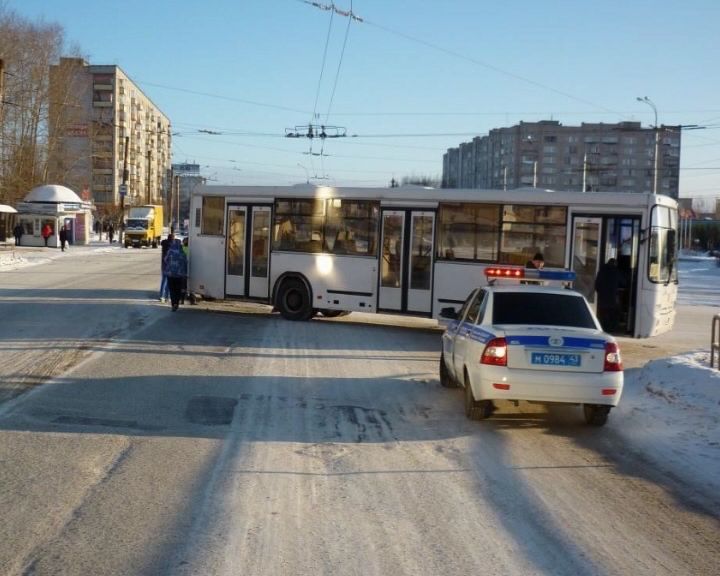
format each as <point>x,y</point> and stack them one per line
<point>442,71</point>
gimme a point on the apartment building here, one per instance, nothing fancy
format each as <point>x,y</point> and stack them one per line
<point>591,157</point>
<point>105,132</point>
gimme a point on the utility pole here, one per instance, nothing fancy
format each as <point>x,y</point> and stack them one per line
<point>2,85</point>
<point>657,140</point>
<point>177,204</point>
<point>123,189</point>
<point>149,159</point>
<point>2,107</point>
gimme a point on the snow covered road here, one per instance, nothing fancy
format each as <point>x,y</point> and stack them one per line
<point>224,443</point>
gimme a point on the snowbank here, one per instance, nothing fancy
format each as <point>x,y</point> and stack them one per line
<point>671,410</point>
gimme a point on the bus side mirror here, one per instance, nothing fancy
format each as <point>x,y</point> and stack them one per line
<point>449,313</point>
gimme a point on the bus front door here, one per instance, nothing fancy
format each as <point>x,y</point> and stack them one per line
<point>585,256</point>
<point>248,251</point>
<point>406,261</point>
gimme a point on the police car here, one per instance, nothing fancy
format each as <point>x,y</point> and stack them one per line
<point>533,341</point>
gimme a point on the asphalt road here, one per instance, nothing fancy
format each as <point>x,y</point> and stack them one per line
<point>224,440</point>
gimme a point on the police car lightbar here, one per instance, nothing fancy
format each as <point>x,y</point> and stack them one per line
<point>520,272</point>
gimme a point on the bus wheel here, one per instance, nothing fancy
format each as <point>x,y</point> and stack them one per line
<point>293,300</point>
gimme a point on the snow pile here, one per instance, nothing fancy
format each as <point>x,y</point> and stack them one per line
<point>686,381</point>
<point>671,406</point>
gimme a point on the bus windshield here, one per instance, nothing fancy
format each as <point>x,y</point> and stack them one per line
<point>663,246</point>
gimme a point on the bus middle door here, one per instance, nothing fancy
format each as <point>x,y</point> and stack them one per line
<point>406,261</point>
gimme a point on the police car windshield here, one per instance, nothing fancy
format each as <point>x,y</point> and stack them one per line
<point>537,308</point>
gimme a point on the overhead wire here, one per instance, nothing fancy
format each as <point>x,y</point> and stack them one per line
<point>322,68</point>
<point>337,72</point>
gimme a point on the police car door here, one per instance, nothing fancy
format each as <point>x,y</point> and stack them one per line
<point>465,349</point>
<point>448,337</point>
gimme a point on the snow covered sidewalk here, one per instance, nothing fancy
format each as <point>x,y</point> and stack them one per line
<point>13,258</point>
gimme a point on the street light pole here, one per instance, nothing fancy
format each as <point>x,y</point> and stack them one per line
<point>657,139</point>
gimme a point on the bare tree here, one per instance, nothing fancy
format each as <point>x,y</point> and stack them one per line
<point>27,49</point>
<point>429,181</point>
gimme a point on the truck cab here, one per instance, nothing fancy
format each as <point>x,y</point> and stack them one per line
<point>143,226</point>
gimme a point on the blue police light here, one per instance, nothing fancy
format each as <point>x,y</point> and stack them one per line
<point>557,275</point>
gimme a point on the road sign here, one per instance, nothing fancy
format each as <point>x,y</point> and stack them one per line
<point>123,190</point>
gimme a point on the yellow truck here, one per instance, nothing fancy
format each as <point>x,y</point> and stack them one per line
<point>144,226</point>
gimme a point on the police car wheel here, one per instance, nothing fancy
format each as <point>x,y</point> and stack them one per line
<point>446,381</point>
<point>476,409</point>
<point>596,415</point>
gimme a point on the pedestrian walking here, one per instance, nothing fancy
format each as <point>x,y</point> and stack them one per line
<point>63,238</point>
<point>111,233</point>
<point>18,233</point>
<point>175,268</point>
<point>607,285</point>
<point>46,232</point>
<point>164,247</point>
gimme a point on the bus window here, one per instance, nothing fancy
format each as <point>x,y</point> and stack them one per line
<point>213,215</point>
<point>468,232</point>
<point>527,230</point>
<point>298,225</point>
<point>351,226</point>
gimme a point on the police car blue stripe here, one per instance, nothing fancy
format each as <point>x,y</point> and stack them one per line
<point>477,333</point>
<point>567,342</point>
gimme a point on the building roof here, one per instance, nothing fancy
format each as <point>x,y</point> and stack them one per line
<point>52,193</point>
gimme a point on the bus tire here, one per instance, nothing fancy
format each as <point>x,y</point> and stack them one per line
<point>293,300</point>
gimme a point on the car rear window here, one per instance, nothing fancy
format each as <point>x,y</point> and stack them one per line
<point>541,309</point>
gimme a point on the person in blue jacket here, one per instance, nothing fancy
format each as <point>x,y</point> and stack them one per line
<point>175,269</point>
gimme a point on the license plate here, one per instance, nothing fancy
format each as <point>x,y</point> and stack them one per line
<point>546,359</point>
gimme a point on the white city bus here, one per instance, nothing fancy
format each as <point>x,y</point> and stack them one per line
<point>412,250</point>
